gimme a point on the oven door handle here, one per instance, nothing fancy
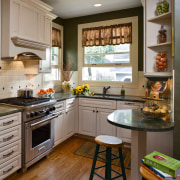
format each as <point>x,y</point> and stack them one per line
<point>48,119</point>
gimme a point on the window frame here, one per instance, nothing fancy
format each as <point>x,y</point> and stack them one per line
<point>133,54</point>
<point>60,59</point>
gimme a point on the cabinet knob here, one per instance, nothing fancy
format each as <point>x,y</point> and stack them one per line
<point>97,111</point>
<point>93,110</point>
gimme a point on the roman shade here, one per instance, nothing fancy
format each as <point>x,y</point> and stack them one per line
<point>107,35</point>
<point>56,38</point>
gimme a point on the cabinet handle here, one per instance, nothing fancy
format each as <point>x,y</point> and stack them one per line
<point>66,112</point>
<point>129,103</point>
<point>59,106</point>
<point>41,148</point>
<point>8,123</point>
<point>93,110</point>
<point>6,155</point>
<point>4,172</point>
<point>71,103</point>
<point>8,138</point>
<point>97,111</point>
<point>60,113</point>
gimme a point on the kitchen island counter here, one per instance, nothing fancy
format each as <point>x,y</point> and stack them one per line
<point>8,109</point>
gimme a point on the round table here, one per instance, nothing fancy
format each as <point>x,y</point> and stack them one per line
<point>133,119</point>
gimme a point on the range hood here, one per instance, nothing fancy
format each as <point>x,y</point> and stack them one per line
<point>23,57</point>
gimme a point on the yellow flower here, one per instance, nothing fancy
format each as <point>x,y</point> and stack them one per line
<point>82,86</point>
<point>76,92</point>
<point>92,93</point>
<point>86,85</point>
<point>73,91</point>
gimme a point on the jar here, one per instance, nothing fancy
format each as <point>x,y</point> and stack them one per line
<point>162,7</point>
<point>162,35</point>
<point>161,61</point>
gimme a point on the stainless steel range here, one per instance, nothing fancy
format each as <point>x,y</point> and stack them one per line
<point>37,127</point>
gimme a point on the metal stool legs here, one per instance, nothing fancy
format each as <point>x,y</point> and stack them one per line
<point>107,165</point>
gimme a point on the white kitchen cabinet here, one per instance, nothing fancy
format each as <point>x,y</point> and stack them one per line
<point>125,134</point>
<point>93,116</point>
<point>0,36</point>
<point>103,126</point>
<point>152,24</point>
<point>10,144</point>
<point>87,121</point>
<point>69,123</point>
<point>64,125</point>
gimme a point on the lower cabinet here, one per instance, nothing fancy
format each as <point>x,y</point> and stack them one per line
<point>64,125</point>
<point>103,126</point>
<point>68,124</point>
<point>87,121</point>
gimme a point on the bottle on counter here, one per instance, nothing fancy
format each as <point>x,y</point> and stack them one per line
<point>146,93</point>
<point>122,91</point>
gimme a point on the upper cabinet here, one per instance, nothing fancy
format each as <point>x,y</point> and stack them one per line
<point>27,24</point>
<point>158,41</point>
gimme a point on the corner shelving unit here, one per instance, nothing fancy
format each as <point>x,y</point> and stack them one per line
<point>153,24</point>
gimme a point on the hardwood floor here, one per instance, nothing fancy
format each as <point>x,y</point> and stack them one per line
<point>63,164</point>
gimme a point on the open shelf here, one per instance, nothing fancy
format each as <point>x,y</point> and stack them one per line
<point>162,16</point>
<point>153,76</point>
<point>160,45</point>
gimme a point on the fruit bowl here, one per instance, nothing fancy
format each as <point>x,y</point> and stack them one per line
<point>42,95</point>
<point>155,111</point>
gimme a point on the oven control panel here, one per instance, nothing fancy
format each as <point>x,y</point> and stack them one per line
<point>39,112</point>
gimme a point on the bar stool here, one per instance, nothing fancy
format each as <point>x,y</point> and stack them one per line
<point>109,142</point>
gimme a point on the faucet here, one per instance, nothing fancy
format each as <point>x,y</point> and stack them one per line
<point>105,89</point>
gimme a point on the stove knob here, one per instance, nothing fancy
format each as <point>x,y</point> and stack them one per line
<point>47,111</point>
<point>32,114</point>
<point>36,113</point>
<point>54,108</point>
<point>51,109</point>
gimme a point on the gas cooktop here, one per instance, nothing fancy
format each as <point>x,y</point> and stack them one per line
<point>24,102</point>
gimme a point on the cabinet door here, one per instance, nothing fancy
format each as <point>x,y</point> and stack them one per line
<point>58,128</point>
<point>28,22</point>
<point>125,134</point>
<point>103,126</point>
<point>68,125</point>
<point>87,121</point>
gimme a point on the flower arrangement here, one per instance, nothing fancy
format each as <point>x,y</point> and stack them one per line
<point>84,89</point>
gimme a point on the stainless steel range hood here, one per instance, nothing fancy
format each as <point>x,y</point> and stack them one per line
<point>23,57</point>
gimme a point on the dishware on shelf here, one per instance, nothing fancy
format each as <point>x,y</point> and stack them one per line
<point>162,7</point>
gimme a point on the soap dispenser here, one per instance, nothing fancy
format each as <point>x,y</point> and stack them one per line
<point>122,91</point>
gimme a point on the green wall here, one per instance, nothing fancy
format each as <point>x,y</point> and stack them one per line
<point>71,31</point>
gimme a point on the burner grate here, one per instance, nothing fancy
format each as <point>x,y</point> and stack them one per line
<point>24,102</point>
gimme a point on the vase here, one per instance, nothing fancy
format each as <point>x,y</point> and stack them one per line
<point>66,86</point>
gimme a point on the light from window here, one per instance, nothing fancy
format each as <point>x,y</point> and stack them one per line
<point>107,54</point>
<point>107,63</point>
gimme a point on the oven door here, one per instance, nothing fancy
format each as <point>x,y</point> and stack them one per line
<point>39,136</point>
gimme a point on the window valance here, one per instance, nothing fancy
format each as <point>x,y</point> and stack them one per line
<point>107,35</point>
<point>56,37</point>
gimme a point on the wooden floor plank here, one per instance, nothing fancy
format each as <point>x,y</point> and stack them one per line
<point>63,164</point>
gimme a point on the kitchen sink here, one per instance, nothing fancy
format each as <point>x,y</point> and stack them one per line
<point>112,96</point>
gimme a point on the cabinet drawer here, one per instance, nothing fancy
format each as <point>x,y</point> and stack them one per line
<point>70,103</point>
<point>128,105</point>
<point>10,167</point>
<point>10,151</point>
<point>10,121</point>
<point>100,103</point>
<point>10,135</point>
<point>60,106</point>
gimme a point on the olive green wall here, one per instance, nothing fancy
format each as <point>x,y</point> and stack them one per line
<point>176,143</point>
<point>71,31</point>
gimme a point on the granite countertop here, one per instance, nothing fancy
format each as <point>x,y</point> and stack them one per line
<point>8,109</point>
<point>64,96</point>
<point>135,120</point>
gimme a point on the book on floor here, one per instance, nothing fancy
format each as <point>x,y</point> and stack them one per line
<point>157,171</point>
<point>164,163</point>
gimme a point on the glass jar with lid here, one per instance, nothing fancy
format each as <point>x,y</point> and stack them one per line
<point>162,35</point>
<point>162,7</point>
<point>161,62</point>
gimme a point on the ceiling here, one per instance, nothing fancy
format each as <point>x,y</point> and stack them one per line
<point>75,8</point>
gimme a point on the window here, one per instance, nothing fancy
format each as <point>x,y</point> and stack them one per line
<point>56,57</point>
<point>112,64</point>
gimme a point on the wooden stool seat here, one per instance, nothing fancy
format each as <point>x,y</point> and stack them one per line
<point>108,141</point>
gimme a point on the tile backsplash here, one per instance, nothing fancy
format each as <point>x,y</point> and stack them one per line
<point>13,78</point>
